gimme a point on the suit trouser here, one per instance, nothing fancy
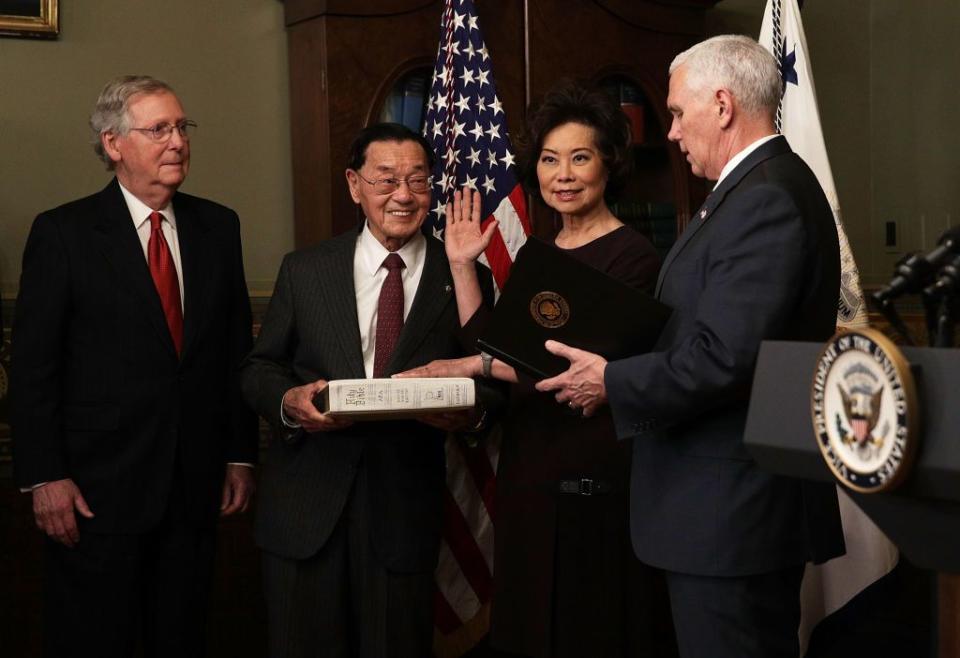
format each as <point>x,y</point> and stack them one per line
<point>342,602</point>
<point>110,589</point>
<point>738,617</point>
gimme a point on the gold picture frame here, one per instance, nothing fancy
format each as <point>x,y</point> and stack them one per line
<point>30,18</point>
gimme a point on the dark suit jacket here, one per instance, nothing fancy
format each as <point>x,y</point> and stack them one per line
<point>763,264</point>
<point>99,394</point>
<point>311,332</point>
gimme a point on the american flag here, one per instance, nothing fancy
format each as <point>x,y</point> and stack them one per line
<point>466,124</point>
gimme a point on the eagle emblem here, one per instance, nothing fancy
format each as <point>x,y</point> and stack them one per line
<point>863,404</point>
<point>861,409</point>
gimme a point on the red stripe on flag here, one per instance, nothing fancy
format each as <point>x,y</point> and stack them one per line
<point>459,538</point>
<point>444,616</point>
<point>519,201</point>
<point>478,463</point>
<point>498,257</point>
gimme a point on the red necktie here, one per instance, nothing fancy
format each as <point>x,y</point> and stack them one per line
<point>165,279</point>
<point>389,314</point>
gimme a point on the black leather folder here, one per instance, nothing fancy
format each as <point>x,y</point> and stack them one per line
<point>552,295</point>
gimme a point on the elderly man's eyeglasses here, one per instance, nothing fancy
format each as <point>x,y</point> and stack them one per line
<point>162,131</point>
<point>416,184</point>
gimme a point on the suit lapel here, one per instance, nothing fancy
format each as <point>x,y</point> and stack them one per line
<point>122,249</point>
<point>699,220</point>
<point>194,257</point>
<point>433,295</point>
<point>765,151</point>
<point>339,299</point>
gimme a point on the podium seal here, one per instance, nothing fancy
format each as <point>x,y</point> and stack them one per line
<point>864,409</point>
<point>549,309</point>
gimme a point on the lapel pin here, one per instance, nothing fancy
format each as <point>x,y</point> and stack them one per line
<point>447,288</point>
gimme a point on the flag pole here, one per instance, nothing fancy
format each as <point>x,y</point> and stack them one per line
<point>526,56</point>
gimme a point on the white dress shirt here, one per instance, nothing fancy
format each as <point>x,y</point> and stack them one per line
<point>741,156</point>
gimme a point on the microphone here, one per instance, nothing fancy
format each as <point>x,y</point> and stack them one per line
<point>916,270</point>
<point>948,280</point>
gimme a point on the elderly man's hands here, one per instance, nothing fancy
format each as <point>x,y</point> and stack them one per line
<point>298,407</point>
<point>53,510</point>
<point>581,385</point>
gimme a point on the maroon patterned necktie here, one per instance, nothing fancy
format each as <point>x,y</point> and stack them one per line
<point>164,275</point>
<point>389,314</point>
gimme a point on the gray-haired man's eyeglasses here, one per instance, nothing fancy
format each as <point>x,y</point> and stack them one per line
<point>162,131</point>
<point>417,184</point>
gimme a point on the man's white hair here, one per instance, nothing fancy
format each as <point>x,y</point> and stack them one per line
<point>735,63</point>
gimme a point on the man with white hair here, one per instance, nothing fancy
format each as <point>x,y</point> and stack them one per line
<point>128,426</point>
<point>758,261</point>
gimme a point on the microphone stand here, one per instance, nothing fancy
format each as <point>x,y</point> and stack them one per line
<point>889,311</point>
<point>939,300</point>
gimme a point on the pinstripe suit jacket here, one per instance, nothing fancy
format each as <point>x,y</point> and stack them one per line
<point>311,332</point>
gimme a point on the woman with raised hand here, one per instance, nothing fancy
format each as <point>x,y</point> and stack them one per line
<point>566,582</point>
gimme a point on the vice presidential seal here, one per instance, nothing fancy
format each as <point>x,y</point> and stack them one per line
<point>549,309</point>
<point>865,413</point>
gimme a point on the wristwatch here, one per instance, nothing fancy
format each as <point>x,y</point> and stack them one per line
<point>486,364</point>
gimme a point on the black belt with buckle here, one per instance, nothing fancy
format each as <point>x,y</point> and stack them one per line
<point>584,487</point>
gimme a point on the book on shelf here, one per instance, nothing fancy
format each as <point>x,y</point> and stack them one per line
<point>379,399</point>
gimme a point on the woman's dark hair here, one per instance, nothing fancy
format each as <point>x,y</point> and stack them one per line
<point>384,132</point>
<point>576,101</point>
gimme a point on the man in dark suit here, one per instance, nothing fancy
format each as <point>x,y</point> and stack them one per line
<point>759,261</point>
<point>349,516</point>
<point>128,425</point>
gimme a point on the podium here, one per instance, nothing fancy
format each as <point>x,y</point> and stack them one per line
<point>922,516</point>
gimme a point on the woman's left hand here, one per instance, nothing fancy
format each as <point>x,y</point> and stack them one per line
<point>467,366</point>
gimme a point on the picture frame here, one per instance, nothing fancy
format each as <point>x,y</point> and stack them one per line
<point>39,19</point>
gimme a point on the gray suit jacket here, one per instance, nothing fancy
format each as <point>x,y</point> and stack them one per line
<point>310,332</point>
<point>762,262</point>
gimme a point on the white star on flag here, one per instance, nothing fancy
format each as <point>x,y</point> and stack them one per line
<point>474,157</point>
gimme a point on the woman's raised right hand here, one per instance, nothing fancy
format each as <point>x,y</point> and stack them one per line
<point>464,238</point>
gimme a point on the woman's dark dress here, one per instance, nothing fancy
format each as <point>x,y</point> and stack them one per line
<point>566,582</point>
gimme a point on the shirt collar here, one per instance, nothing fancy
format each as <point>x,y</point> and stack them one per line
<point>140,212</point>
<point>741,156</point>
<point>370,253</point>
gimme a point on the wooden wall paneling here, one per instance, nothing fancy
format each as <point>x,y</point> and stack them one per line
<point>309,132</point>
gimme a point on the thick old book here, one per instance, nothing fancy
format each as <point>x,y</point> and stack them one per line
<point>378,399</point>
<point>553,296</point>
